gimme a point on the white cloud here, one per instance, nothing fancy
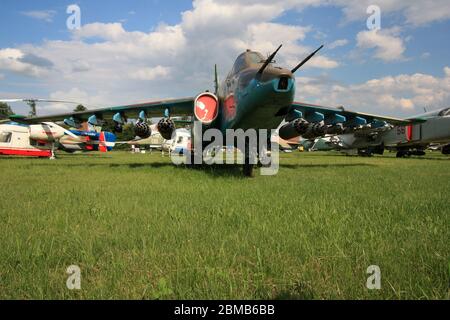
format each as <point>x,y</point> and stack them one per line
<point>157,72</point>
<point>106,58</point>
<point>104,64</point>
<point>425,55</point>
<point>400,95</point>
<point>17,61</point>
<point>74,95</point>
<point>79,65</point>
<point>387,46</point>
<point>338,43</point>
<point>447,72</point>
<point>105,31</point>
<point>227,16</point>
<point>45,15</point>
<point>415,12</point>
<point>266,37</point>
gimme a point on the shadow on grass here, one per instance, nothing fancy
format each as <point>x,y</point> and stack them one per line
<point>111,165</point>
<point>327,165</point>
<point>437,158</point>
<point>216,170</point>
<point>86,155</point>
<point>297,291</point>
<point>324,154</point>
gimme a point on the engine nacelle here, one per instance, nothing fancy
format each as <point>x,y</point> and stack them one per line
<point>338,128</point>
<point>315,130</point>
<point>206,108</point>
<point>118,127</point>
<point>166,128</point>
<point>301,127</point>
<point>293,129</point>
<point>142,130</point>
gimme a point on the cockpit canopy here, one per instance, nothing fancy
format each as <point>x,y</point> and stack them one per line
<point>247,60</point>
<point>436,113</point>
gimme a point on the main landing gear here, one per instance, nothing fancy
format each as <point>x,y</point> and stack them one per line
<point>52,155</point>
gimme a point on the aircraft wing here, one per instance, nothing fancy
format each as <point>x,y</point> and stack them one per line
<point>311,110</point>
<point>176,107</point>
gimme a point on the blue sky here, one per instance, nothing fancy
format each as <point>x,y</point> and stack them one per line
<point>129,51</point>
<point>141,15</point>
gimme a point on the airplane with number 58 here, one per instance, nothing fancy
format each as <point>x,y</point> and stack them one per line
<point>256,94</point>
<point>410,140</point>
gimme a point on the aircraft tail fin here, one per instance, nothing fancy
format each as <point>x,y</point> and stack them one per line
<point>107,141</point>
<point>102,143</point>
<point>216,80</point>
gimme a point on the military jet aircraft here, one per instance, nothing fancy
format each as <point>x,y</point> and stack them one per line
<point>409,140</point>
<point>256,94</point>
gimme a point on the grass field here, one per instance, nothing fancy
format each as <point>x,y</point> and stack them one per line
<point>140,228</point>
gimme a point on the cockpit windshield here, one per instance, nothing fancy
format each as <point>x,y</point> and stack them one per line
<point>5,137</point>
<point>255,57</point>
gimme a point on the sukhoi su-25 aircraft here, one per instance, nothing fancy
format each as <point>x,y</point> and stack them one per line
<point>256,94</point>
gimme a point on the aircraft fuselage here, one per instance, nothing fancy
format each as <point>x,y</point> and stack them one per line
<point>249,100</point>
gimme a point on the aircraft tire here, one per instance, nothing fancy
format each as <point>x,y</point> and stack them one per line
<point>401,154</point>
<point>248,165</point>
<point>248,170</point>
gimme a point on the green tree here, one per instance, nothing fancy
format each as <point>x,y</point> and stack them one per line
<point>80,108</point>
<point>5,110</point>
<point>127,134</point>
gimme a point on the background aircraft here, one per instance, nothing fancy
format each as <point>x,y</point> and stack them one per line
<point>407,140</point>
<point>155,141</point>
<point>39,140</point>
<point>255,94</point>
<point>178,143</point>
<point>87,141</point>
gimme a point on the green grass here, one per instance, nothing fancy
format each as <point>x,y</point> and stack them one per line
<point>140,228</point>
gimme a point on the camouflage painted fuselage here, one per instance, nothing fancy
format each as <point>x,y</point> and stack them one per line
<point>249,100</point>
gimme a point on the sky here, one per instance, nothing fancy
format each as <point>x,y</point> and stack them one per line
<point>134,51</point>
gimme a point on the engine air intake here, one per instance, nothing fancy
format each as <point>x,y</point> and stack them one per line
<point>206,108</point>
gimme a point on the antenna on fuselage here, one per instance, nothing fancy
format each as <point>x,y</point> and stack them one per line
<point>268,60</point>
<point>306,60</point>
<point>216,81</point>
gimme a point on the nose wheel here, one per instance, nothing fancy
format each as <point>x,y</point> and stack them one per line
<point>249,165</point>
<point>248,170</point>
